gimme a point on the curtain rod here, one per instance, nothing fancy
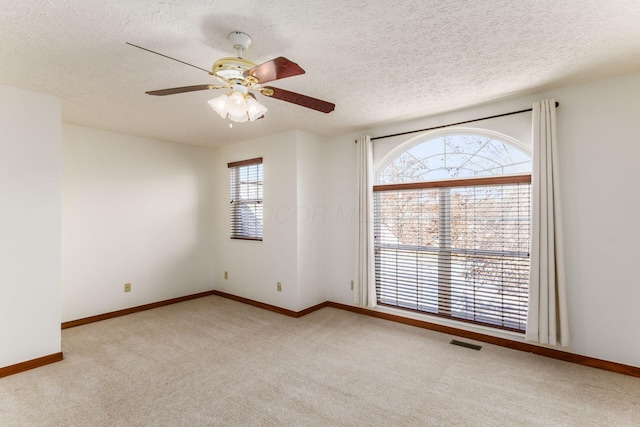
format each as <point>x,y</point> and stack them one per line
<point>455,124</point>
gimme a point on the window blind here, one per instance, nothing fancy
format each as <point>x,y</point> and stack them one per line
<point>458,248</point>
<point>246,199</point>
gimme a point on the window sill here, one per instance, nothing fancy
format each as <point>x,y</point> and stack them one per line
<point>465,326</point>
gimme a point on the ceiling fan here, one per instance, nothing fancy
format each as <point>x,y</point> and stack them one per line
<point>243,77</point>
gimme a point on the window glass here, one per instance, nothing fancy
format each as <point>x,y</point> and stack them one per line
<point>456,156</point>
<point>246,199</point>
<point>457,249</point>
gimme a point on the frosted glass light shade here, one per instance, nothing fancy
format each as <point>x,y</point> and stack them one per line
<point>241,118</point>
<point>218,104</point>
<point>236,104</point>
<point>255,110</point>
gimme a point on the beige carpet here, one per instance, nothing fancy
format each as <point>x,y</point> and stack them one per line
<point>213,361</point>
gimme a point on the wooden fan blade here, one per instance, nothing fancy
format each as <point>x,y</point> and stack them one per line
<point>298,99</point>
<point>183,89</point>
<point>174,59</point>
<point>279,68</point>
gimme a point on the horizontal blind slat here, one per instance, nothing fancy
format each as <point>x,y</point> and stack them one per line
<point>461,252</point>
<point>246,211</point>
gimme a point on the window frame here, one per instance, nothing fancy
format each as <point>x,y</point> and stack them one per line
<point>444,251</point>
<point>237,226</point>
<point>446,185</point>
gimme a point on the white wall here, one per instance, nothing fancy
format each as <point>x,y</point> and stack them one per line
<point>134,210</point>
<point>255,267</point>
<point>599,133</point>
<point>311,217</point>
<point>598,130</point>
<point>293,246</point>
<point>342,218</point>
<point>29,225</point>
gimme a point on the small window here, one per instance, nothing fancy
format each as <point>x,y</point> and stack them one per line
<point>246,199</point>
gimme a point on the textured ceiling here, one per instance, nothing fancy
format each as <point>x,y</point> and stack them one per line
<point>378,61</point>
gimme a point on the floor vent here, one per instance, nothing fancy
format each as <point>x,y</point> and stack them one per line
<point>466,344</point>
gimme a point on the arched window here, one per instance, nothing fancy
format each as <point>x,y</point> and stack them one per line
<point>452,214</point>
<point>467,153</point>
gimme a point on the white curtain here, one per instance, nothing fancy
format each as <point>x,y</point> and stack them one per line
<point>365,292</point>
<point>547,320</point>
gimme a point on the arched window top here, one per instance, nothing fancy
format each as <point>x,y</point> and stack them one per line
<point>455,153</point>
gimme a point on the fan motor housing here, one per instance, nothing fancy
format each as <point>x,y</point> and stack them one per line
<point>230,69</point>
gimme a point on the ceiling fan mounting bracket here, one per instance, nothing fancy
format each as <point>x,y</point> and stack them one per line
<point>240,41</point>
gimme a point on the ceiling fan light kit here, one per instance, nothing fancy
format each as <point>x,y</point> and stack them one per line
<point>241,76</point>
<point>238,105</point>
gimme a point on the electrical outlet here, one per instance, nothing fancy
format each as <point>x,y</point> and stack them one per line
<point>226,275</point>
<point>127,287</point>
<point>352,285</point>
<point>279,286</point>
